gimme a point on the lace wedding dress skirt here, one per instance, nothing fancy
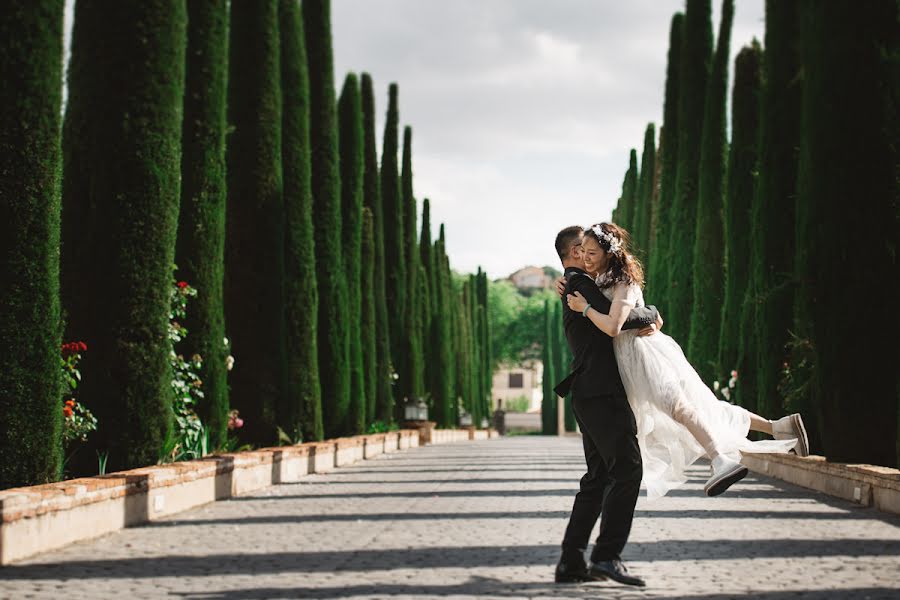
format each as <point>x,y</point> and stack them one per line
<point>660,382</point>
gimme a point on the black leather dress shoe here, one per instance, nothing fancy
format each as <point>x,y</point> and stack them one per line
<point>615,570</point>
<point>572,572</point>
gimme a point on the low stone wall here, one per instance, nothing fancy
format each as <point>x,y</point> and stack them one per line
<point>40,518</point>
<point>868,485</point>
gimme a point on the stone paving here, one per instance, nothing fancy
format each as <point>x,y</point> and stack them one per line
<point>476,520</point>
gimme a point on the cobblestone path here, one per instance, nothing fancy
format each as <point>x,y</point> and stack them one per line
<point>476,520</point>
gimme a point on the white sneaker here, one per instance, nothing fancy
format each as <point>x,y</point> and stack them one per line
<point>725,473</point>
<point>790,427</point>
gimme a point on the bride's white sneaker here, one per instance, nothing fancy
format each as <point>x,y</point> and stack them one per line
<point>726,472</point>
<point>789,427</point>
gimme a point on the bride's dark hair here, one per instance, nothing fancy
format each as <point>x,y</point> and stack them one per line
<point>624,267</point>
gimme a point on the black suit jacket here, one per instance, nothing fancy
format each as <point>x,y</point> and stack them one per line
<point>594,368</point>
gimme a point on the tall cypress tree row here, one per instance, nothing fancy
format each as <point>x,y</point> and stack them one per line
<point>548,403</point>
<point>200,246</point>
<point>394,259</point>
<point>411,383</point>
<point>657,269</point>
<point>122,147</point>
<point>254,242</point>
<point>772,216</point>
<point>848,151</point>
<point>738,199</point>
<point>383,399</point>
<point>301,409</point>
<point>694,71</point>
<point>708,251</point>
<point>334,366</point>
<point>369,322</point>
<point>644,195</point>
<point>30,158</point>
<point>351,149</point>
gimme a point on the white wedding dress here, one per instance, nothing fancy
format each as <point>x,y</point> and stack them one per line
<point>657,377</point>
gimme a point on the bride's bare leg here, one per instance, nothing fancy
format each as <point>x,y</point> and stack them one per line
<point>685,414</point>
<point>757,423</point>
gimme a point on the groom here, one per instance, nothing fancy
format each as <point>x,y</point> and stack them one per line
<point>610,486</point>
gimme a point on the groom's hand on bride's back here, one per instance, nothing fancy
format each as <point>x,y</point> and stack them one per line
<point>651,329</point>
<point>561,286</point>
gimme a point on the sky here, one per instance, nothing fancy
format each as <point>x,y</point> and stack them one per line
<point>523,111</point>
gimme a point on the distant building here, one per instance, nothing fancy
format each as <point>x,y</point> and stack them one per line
<point>518,386</point>
<point>531,278</point>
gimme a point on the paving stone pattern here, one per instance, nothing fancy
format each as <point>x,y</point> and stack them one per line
<point>476,520</point>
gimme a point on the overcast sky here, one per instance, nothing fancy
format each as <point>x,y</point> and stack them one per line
<point>523,111</point>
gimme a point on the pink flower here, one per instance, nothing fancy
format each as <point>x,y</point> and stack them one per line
<point>238,423</point>
<point>734,374</point>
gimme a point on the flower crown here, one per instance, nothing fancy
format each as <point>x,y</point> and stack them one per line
<point>614,243</point>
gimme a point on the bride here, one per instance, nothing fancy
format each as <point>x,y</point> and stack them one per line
<point>679,419</point>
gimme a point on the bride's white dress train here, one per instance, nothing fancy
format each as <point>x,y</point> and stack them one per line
<point>659,380</point>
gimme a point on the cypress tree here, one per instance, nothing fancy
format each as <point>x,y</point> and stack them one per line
<point>430,304</point>
<point>334,367</point>
<point>694,71</point>
<point>383,398</point>
<point>548,404</point>
<point>443,389</point>
<point>644,195</point>
<point>657,268</point>
<point>351,149</point>
<point>302,406</point>
<point>200,245</point>
<point>369,322</point>
<point>848,150</point>
<point>254,242</point>
<point>738,198</point>
<point>772,216</point>
<point>628,201</point>
<point>30,158</point>
<point>122,158</point>
<point>486,356</point>
<point>394,259</point>
<point>708,250</point>
<point>411,384</point>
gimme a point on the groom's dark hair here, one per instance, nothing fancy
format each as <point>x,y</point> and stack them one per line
<point>567,239</point>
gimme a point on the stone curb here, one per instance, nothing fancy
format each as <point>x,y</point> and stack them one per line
<point>44,517</point>
<point>868,485</point>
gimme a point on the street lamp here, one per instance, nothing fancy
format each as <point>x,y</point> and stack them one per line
<point>415,410</point>
<point>465,419</point>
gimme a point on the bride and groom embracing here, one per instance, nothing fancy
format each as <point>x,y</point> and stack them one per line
<point>643,411</point>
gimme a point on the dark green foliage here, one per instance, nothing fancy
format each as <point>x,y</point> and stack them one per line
<point>394,259</point>
<point>640,233</point>
<point>411,375</point>
<point>657,269</point>
<point>200,247</point>
<point>443,388</point>
<point>369,322</point>
<point>738,198</point>
<point>383,399</point>
<point>771,287</point>
<point>351,148</point>
<point>254,242</point>
<point>30,159</point>
<point>302,402</point>
<point>429,307</point>
<point>708,251</point>
<point>548,403</point>
<point>334,366</point>
<point>562,359</point>
<point>628,201</point>
<point>122,159</point>
<point>694,71</point>
<point>847,224</point>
